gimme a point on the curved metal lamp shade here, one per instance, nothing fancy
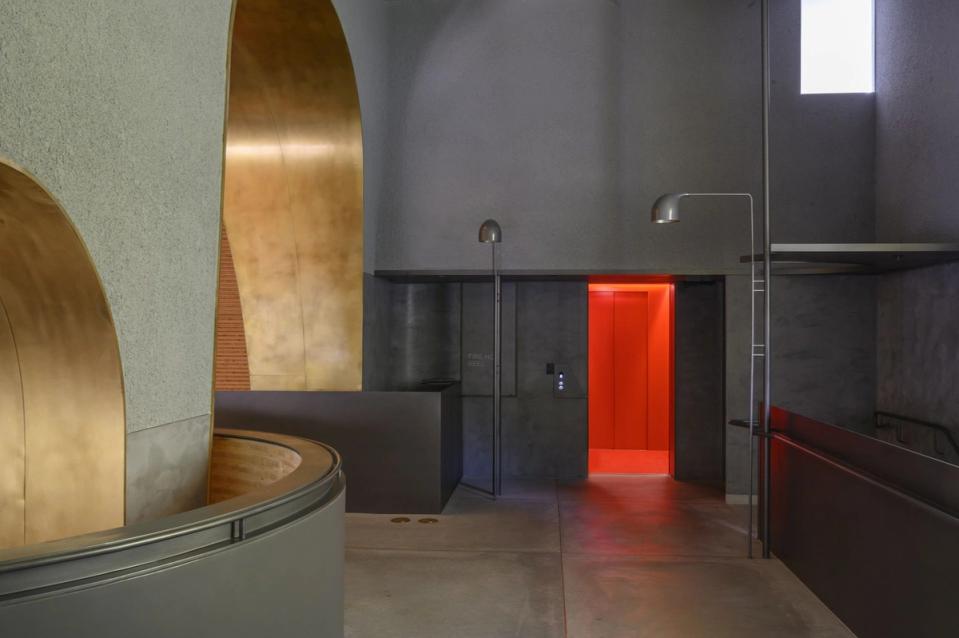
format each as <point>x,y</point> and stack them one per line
<point>666,208</point>
<point>490,232</point>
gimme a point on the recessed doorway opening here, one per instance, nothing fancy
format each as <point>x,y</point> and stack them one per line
<point>631,407</point>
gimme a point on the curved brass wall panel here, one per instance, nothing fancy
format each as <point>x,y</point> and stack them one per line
<point>65,472</point>
<point>293,195</point>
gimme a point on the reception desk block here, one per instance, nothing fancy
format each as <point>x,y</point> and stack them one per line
<point>402,451</point>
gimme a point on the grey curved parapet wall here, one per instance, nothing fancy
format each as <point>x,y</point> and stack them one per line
<point>266,563</point>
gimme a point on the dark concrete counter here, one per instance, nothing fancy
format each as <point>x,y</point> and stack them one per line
<point>402,451</point>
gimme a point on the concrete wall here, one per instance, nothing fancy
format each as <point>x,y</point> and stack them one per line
<point>566,119</point>
<point>918,200</point>
<point>824,355</point>
<point>117,108</point>
<point>822,149</point>
<point>365,26</point>
<point>919,344</point>
<point>699,427</point>
<point>917,94</point>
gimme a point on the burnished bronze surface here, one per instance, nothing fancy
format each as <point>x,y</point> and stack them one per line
<point>59,362</point>
<point>242,465</point>
<point>293,195</point>
<point>11,439</point>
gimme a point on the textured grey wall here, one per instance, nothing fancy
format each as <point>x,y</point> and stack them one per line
<point>537,112</point>
<point>918,200</point>
<point>822,150</point>
<point>117,108</point>
<point>699,426</point>
<point>365,27</point>
<point>824,355</point>
<point>917,158</point>
<point>919,344</point>
<point>544,434</point>
<point>564,119</point>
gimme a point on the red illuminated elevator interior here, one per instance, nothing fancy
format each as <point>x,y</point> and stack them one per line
<point>630,378</point>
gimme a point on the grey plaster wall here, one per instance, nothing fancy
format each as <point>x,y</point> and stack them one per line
<point>376,332</point>
<point>566,119</point>
<point>918,200</point>
<point>365,26</point>
<point>917,157</point>
<point>544,432</point>
<point>918,344</point>
<point>822,150</point>
<point>824,355</point>
<point>699,382</point>
<point>117,108</point>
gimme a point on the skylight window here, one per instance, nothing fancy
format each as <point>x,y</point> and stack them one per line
<point>838,39</point>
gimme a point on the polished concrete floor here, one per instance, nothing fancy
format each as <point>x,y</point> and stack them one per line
<point>629,556</point>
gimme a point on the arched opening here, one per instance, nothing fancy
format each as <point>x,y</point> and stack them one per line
<point>62,432</point>
<point>292,204</point>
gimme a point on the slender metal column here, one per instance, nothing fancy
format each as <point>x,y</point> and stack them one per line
<point>666,210</point>
<point>767,279</point>
<point>497,380</point>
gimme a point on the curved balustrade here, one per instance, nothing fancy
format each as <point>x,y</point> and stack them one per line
<point>237,567</point>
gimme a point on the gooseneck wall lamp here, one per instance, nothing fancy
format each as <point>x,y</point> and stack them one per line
<point>666,211</point>
<point>491,233</point>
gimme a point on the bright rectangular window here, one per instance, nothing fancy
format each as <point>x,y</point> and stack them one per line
<point>838,39</point>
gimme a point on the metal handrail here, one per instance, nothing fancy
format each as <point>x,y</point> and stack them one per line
<point>135,549</point>
<point>880,425</point>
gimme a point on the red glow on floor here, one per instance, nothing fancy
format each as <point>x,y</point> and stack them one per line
<point>630,377</point>
<point>604,461</point>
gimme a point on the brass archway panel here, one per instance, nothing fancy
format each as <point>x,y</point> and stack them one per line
<point>60,336</point>
<point>293,195</point>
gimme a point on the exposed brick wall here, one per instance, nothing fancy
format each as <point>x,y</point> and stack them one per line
<point>231,370</point>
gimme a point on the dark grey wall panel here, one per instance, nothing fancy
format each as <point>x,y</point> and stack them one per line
<point>424,333</point>
<point>824,355</point>
<point>918,140</point>
<point>477,339</point>
<point>376,332</point>
<point>547,430</point>
<point>699,425</point>
<point>824,348</point>
<point>478,441</point>
<point>411,332</point>
<point>918,336</point>
<point>544,433</point>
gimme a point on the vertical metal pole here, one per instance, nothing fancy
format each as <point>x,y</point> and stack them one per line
<point>767,277</point>
<point>497,380</point>
<point>750,448</point>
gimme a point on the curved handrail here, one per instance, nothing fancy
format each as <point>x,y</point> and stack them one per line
<point>125,551</point>
<point>935,427</point>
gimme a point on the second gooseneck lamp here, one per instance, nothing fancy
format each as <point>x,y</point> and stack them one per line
<point>665,211</point>
<point>491,233</point>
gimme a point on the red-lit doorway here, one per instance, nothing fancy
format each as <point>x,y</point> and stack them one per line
<point>630,378</point>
